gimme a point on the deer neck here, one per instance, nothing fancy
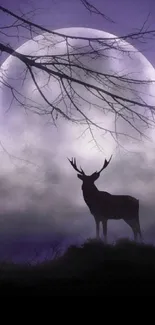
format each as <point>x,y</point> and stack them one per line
<point>89,192</point>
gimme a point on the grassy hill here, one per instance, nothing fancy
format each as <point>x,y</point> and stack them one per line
<point>125,268</point>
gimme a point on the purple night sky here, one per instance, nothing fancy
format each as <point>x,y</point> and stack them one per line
<point>28,231</point>
<point>128,15</point>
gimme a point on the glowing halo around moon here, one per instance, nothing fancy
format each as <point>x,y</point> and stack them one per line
<point>119,63</point>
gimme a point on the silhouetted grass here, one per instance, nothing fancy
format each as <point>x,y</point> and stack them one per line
<point>125,268</point>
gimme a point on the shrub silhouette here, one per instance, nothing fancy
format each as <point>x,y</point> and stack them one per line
<point>94,268</point>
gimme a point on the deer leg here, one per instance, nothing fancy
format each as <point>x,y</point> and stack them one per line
<point>139,230</point>
<point>133,224</point>
<point>135,233</point>
<point>104,225</point>
<point>97,230</point>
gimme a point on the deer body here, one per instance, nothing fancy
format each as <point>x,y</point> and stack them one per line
<point>104,206</point>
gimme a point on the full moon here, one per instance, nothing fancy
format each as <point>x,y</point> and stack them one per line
<point>46,185</point>
<point>122,59</point>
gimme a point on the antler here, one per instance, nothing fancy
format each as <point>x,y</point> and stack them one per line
<point>73,163</point>
<point>106,163</point>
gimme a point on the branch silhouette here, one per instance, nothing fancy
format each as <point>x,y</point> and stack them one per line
<point>69,71</point>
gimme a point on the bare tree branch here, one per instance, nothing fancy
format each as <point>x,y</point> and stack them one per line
<point>69,71</point>
<point>93,10</point>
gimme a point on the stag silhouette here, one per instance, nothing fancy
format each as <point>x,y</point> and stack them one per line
<point>104,206</point>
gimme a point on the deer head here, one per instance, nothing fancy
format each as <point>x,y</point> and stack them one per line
<point>88,178</point>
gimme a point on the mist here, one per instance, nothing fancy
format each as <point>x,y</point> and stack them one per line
<point>41,200</point>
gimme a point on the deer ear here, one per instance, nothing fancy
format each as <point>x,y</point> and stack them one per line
<point>80,176</point>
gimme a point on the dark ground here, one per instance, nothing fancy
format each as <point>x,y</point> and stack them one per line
<point>125,268</point>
